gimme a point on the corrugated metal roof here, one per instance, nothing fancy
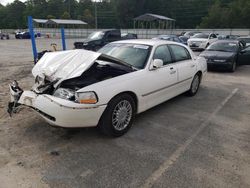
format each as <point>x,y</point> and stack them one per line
<point>152,17</point>
<point>61,21</point>
<point>43,21</point>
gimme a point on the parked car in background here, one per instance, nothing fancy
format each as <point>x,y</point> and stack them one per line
<point>173,38</point>
<point>125,36</point>
<point>4,36</point>
<point>245,40</point>
<point>225,54</point>
<point>23,35</point>
<point>189,34</point>
<point>228,37</point>
<point>80,88</point>
<point>201,41</point>
<point>184,39</point>
<point>182,33</point>
<point>98,39</point>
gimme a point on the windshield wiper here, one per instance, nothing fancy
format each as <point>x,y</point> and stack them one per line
<point>219,50</point>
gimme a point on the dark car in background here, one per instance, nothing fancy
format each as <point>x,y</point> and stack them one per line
<point>228,37</point>
<point>4,36</point>
<point>245,40</point>
<point>23,35</point>
<point>125,36</point>
<point>98,39</point>
<point>226,54</point>
<point>173,38</point>
<point>184,39</point>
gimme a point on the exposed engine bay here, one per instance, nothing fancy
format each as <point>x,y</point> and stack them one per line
<point>96,73</point>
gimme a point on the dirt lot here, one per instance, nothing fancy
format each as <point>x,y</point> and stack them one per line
<point>202,141</point>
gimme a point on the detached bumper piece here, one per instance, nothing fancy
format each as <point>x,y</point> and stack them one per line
<point>15,94</point>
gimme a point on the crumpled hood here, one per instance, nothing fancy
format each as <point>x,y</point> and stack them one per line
<point>64,64</point>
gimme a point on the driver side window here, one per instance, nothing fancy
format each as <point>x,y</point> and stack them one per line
<point>163,53</point>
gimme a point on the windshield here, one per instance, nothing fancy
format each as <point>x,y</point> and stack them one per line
<point>201,35</point>
<point>96,35</point>
<point>223,46</point>
<point>133,54</point>
<point>247,40</point>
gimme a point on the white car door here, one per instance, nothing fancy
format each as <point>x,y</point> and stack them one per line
<point>160,81</point>
<point>185,65</point>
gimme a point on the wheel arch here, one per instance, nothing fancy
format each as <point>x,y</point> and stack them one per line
<point>199,73</point>
<point>132,94</point>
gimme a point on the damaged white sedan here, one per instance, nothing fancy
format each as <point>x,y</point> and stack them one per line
<point>79,88</point>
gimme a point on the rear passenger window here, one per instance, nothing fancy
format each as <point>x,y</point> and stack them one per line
<point>163,53</point>
<point>180,53</point>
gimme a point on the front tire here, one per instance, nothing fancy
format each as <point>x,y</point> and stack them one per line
<point>194,85</point>
<point>118,116</point>
<point>233,68</point>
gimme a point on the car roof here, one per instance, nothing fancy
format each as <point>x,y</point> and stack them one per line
<point>150,42</point>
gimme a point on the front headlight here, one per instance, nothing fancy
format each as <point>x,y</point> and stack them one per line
<point>86,97</point>
<point>64,93</point>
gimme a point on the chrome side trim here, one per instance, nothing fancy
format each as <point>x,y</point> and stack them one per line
<point>155,91</point>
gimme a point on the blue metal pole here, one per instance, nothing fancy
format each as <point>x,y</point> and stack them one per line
<point>63,39</point>
<point>32,37</point>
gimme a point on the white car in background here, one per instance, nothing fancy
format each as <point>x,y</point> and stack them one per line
<point>201,41</point>
<point>80,88</point>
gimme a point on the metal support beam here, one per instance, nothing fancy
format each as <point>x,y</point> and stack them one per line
<point>32,37</point>
<point>63,38</point>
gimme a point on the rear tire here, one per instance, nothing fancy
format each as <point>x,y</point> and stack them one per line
<point>118,116</point>
<point>194,85</point>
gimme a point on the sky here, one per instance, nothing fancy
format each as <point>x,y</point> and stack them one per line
<point>4,2</point>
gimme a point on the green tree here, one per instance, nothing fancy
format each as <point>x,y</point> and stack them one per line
<point>50,16</point>
<point>231,15</point>
<point>14,17</point>
<point>88,17</point>
<point>65,15</point>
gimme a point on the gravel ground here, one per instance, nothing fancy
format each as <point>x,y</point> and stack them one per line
<point>203,141</point>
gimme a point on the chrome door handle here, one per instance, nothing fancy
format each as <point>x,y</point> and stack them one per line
<point>192,66</point>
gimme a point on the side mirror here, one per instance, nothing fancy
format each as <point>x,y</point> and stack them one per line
<point>157,63</point>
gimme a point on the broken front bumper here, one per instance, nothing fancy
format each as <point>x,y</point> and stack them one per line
<point>57,111</point>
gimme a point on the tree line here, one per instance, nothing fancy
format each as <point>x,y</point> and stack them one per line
<point>120,13</point>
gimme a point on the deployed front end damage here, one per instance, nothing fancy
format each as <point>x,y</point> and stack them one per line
<point>58,77</point>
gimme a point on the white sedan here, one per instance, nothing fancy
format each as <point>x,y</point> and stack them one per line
<point>201,41</point>
<point>79,88</point>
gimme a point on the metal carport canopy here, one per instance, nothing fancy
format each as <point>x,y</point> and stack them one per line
<point>148,20</point>
<point>152,17</point>
<point>67,22</point>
